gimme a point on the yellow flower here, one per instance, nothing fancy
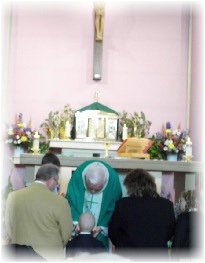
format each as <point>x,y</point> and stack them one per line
<point>171,146</point>
<point>20,125</point>
<point>24,138</point>
<point>10,132</point>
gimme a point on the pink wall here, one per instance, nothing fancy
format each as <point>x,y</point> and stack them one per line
<point>197,84</point>
<point>144,60</point>
<point>145,55</point>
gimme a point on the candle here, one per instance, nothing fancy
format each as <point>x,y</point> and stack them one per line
<point>36,141</point>
<point>36,135</point>
<point>67,130</point>
<point>189,147</point>
<point>124,132</point>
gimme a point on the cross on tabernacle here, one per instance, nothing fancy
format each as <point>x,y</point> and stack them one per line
<point>97,96</point>
<point>98,40</point>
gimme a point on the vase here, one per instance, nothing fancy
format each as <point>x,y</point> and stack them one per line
<point>50,133</point>
<point>18,150</point>
<point>62,133</point>
<point>56,133</point>
<point>172,157</point>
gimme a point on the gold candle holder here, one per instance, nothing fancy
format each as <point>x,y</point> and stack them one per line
<point>106,146</point>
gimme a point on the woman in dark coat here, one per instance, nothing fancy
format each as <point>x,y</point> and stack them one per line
<point>143,222</point>
<point>188,240</point>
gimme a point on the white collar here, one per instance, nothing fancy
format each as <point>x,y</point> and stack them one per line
<point>39,182</point>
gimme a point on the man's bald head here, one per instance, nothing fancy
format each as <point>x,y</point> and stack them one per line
<point>86,222</point>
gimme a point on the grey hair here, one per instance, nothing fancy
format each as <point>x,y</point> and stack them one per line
<point>46,171</point>
<point>96,172</point>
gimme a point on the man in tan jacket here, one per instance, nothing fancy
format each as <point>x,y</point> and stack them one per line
<point>36,217</point>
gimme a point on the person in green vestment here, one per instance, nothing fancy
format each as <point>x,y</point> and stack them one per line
<point>94,187</point>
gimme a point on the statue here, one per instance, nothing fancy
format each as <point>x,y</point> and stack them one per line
<point>99,20</point>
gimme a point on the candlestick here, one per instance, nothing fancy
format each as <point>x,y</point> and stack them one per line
<point>124,132</point>
<point>106,145</point>
<point>188,150</point>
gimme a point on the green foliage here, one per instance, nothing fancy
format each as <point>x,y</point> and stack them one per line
<point>43,147</point>
<point>58,119</point>
<point>124,119</point>
<point>137,124</point>
<point>154,151</point>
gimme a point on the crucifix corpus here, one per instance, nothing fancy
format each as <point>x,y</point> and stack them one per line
<point>99,9</point>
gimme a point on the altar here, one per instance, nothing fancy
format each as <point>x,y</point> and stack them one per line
<point>84,148</point>
<point>173,177</point>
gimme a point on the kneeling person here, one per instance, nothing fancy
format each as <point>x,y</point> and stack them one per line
<point>85,242</point>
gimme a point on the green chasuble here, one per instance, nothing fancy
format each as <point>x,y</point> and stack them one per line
<point>76,192</point>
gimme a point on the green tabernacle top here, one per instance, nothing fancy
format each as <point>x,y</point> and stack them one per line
<point>98,106</point>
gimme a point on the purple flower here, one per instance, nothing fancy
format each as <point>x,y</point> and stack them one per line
<point>20,118</point>
<point>27,129</point>
<point>180,137</point>
<point>168,125</point>
<point>159,135</point>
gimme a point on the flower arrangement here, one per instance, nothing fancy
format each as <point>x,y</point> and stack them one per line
<point>171,141</point>
<point>51,124</point>
<point>56,122</point>
<point>20,134</point>
<point>137,124</point>
<point>67,116</point>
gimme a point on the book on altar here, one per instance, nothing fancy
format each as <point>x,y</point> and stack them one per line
<point>135,145</point>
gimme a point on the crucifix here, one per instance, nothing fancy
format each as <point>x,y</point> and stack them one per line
<point>98,40</point>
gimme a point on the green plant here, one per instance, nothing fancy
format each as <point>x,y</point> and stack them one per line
<point>43,147</point>
<point>137,124</point>
<point>57,120</point>
<point>67,115</point>
<point>154,151</point>
<point>52,121</point>
<point>141,126</point>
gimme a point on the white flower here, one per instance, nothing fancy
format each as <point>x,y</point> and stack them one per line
<point>165,148</point>
<point>176,132</point>
<point>168,142</point>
